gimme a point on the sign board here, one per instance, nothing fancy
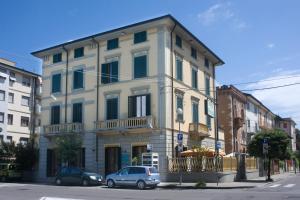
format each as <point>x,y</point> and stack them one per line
<point>265,148</point>
<point>209,108</point>
<point>180,148</point>
<point>179,138</point>
<point>149,147</point>
<point>218,145</point>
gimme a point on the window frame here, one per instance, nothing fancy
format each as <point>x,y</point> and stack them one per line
<point>74,120</point>
<point>52,121</point>
<point>22,120</point>
<point>25,97</point>
<point>178,41</point>
<point>206,63</point>
<point>194,74</point>
<point>111,42</point>
<point>194,53</point>
<point>194,103</point>
<point>74,83</point>
<point>79,52</point>
<point>2,115</point>
<point>11,94</point>
<point>3,92</point>
<point>56,58</point>
<point>26,81</point>
<point>53,82</point>
<point>106,107</point>
<point>139,55</point>
<point>179,59</point>
<point>135,39</point>
<point>111,78</point>
<point>10,122</point>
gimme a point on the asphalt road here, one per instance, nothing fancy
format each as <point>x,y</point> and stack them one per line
<point>285,189</point>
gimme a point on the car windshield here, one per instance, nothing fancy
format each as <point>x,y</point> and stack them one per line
<point>153,170</point>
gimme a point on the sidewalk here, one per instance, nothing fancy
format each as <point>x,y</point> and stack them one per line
<point>250,183</point>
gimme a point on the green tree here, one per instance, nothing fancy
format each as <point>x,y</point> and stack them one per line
<point>278,143</point>
<point>7,151</point>
<point>26,156</point>
<point>68,148</point>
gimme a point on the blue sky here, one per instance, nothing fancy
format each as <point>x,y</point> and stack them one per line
<point>258,40</point>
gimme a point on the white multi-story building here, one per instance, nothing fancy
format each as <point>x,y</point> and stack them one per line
<point>20,106</point>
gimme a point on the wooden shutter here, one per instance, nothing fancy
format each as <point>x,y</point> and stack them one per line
<point>148,104</point>
<point>132,106</point>
<point>105,73</point>
<point>114,71</point>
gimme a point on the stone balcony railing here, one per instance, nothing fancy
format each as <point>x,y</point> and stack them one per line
<point>63,128</point>
<point>124,124</point>
<point>198,129</point>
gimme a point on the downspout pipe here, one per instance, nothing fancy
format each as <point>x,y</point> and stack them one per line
<point>67,74</point>
<point>216,112</point>
<point>172,86</point>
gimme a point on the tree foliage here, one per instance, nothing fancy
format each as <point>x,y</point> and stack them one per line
<point>278,142</point>
<point>68,147</point>
<point>26,156</point>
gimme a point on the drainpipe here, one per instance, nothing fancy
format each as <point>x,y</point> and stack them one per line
<point>67,72</point>
<point>33,113</point>
<point>172,83</point>
<point>216,113</point>
<point>97,98</point>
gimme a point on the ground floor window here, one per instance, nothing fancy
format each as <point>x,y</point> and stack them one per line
<point>137,152</point>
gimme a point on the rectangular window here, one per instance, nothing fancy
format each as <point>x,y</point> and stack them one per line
<point>23,140</point>
<point>140,37</point>
<point>207,85</point>
<point>24,121</point>
<point>195,112</point>
<point>78,79</point>
<point>139,106</point>
<point>194,78</point>
<point>57,58</point>
<point>9,139</point>
<point>208,121</point>
<point>10,119</point>
<point>11,97</point>
<point>79,52</point>
<point>113,43</point>
<point>179,104</point>
<point>55,114</point>
<point>77,112</point>
<point>140,66</point>
<point>248,123</point>
<point>178,41</point>
<point>110,72</point>
<point>178,68</point>
<point>112,108</point>
<point>26,81</point>
<point>193,52</point>
<point>25,101</point>
<point>1,117</point>
<point>56,83</point>
<point>2,95</point>
<point>206,63</point>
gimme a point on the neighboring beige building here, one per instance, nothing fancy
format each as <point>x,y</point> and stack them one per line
<point>121,88</point>
<point>20,106</point>
<point>289,126</point>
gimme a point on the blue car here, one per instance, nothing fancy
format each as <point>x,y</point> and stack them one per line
<point>139,176</point>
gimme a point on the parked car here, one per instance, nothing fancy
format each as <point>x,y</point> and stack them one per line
<point>139,176</point>
<point>76,176</point>
<point>9,171</point>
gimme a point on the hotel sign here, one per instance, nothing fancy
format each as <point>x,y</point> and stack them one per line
<point>209,108</point>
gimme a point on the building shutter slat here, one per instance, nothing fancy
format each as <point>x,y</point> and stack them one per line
<point>105,73</point>
<point>114,71</point>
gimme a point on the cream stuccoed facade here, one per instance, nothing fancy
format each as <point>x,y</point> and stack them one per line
<point>133,80</point>
<point>20,107</point>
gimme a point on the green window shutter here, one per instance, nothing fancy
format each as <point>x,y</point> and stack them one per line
<point>78,79</point>
<point>194,78</point>
<point>105,73</point>
<point>112,108</point>
<point>140,37</point>
<point>205,107</point>
<point>148,104</point>
<point>140,66</point>
<point>178,41</point>
<point>206,63</point>
<point>195,113</point>
<point>77,112</point>
<point>208,121</point>
<point>114,71</point>
<point>193,52</point>
<point>179,69</point>
<point>57,58</point>
<point>55,114</point>
<point>207,86</point>
<point>79,52</point>
<point>113,43</point>
<point>56,83</point>
<point>132,106</point>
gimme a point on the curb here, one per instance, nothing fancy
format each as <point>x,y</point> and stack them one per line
<point>208,187</point>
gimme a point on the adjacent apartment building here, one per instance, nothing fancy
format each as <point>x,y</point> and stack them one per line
<point>120,90</point>
<point>289,126</point>
<point>20,107</point>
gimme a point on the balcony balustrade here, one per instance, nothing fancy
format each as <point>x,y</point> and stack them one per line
<point>199,129</point>
<point>63,128</point>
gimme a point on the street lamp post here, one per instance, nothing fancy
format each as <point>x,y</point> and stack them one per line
<point>179,113</point>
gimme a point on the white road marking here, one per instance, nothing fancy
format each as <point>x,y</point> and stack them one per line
<point>10,185</point>
<point>289,185</point>
<point>57,198</point>
<point>276,185</point>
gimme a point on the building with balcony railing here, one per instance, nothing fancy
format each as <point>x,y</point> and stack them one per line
<point>120,90</point>
<point>19,113</point>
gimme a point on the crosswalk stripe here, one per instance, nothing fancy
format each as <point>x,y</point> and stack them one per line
<point>276,185</point>
<point>289,185</point>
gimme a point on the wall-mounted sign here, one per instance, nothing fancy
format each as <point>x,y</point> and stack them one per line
<point>209,108</point>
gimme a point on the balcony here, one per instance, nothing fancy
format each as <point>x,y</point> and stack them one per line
<point>238,122</point>
<point>38,109</point>
<point>126,125</point>
<point>57,129</point>
<point>198,129</point>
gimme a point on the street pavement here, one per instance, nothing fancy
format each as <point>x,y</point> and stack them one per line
<point>284,188</point>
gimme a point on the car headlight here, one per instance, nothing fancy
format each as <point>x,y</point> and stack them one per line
<point>93,177</point>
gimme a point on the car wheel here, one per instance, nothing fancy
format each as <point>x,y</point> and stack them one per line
<point>110,183</point>
<point>85,182</point>
<point>58,181</point>
<point>141,185</point>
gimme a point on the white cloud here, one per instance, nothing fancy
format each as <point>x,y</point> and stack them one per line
<point>283,101</point>
<point>271,45</point>
<point>221,12</point>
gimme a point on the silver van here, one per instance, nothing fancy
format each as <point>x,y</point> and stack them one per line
<point>139,176</point>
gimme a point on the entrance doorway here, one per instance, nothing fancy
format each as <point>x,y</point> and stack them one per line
<point>137,151</point>
<point>112,159</point>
